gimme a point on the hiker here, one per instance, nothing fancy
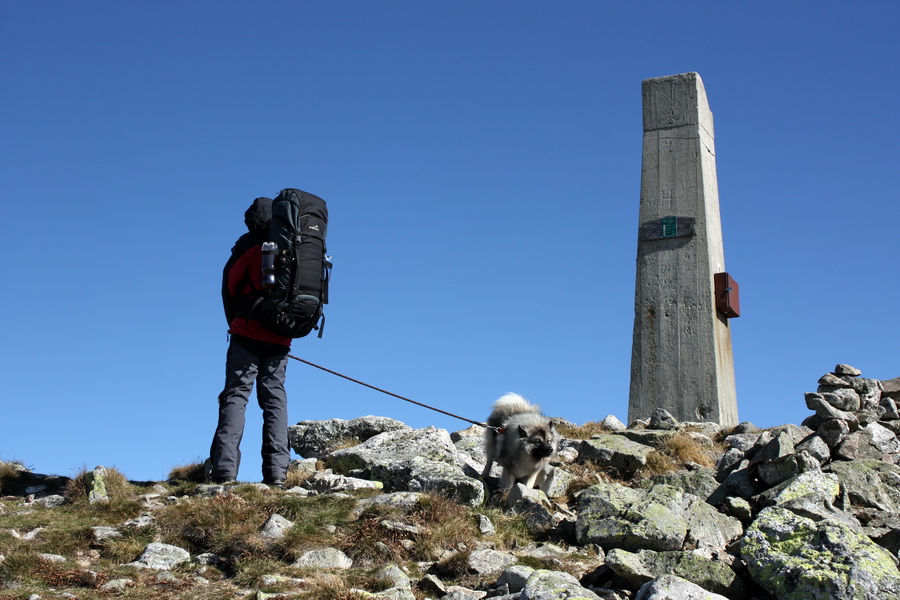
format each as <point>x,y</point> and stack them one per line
<point>255,353</point>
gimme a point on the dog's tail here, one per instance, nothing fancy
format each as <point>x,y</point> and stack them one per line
<point>512,404</point>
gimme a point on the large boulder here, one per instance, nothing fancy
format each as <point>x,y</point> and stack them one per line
<point>637,568</point>
<point>553,585</point>
<point>417,460</point>
<point>661,518</point>
<point>671,587</point>
<point>615,452</point>
<point>315,439</point>
<point>870,483</point>
<point>615,516</point>
<point>795,558</point>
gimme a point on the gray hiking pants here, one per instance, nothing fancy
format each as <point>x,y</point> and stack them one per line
<point>242,368</point>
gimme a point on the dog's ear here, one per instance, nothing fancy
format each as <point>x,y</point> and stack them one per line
<point>522,431</point>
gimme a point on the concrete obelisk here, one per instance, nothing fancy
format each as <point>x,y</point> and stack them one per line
<point>681,358</point>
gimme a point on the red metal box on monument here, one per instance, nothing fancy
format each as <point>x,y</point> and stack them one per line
<point>727,295</point>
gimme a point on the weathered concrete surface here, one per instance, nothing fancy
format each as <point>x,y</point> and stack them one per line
<point>681,353</point>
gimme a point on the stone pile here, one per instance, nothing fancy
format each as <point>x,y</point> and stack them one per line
<point>788,513</point>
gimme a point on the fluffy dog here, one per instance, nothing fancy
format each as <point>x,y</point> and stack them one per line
<point>523,444</point>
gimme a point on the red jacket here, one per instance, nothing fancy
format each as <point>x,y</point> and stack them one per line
<point>243,280</point>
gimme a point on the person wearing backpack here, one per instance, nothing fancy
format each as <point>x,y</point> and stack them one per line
<point>255,354</point>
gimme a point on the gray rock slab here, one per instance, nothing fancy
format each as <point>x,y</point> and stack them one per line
<point>701,483</point>
<point>324,558</point>
<point>161,556</point>
<point>614,516</point>
<point>314,439</point>
<point>616,452</point>
<point>275,528</point>
<point>870,483</point>
<point>671,587</point>
<point>638,568</point>
<point>554,585</point>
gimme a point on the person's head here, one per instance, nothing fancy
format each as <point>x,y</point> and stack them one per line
<point>259,214</point>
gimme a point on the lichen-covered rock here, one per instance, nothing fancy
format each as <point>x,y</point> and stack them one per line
<point>423,475</point>
<point>161,556</point>
<point>418,460</point>
<point>615,452</point>
<point>637,568</point>
<point>786,467</point>
<point>314,439</point>
<point>662,419</point>
<point>701,482</point>
<point>389,449</point>
<point>833,432</point>
<point>489,562</point>
<point>671,587</point>
<point>95,482</point>
<point>555,585</point>
<point>816,447</point>
<point>556,482</point>
<point>870,442</point>
<point>795,558</point>
<point>870,483</point>
<point>841,398</point>
<point>810,494</point>
<point>706,526</point>
<point>615,516</point>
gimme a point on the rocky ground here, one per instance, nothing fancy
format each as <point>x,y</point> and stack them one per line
<point>655,510</point>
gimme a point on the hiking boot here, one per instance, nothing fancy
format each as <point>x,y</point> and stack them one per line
<point>222,480</point>
<point>276,482</point>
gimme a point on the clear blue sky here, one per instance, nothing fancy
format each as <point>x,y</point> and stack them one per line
<point>481,161</point>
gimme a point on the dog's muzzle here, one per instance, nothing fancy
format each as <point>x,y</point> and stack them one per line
<point>542,451</point>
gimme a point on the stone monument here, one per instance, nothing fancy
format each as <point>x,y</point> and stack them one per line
<point>681,357</point>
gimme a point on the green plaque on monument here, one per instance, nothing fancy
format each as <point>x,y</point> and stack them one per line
<point>669,227</point>
<point>666,228</point>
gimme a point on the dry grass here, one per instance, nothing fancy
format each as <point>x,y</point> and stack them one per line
<point>326,586</point>
<point>582,432</point>
<point>675,452</point>
<point>587,474</point>
<point>685,448</point>
<point>225,525</point>
<point>193,472</point>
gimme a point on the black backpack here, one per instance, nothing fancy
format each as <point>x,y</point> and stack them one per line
<point>297,287</point>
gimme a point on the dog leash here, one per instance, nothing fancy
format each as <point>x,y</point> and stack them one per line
<point>378,389</point>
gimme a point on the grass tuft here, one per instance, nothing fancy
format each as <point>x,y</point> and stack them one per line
<point>582,432</point>
<point>193,472</point>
